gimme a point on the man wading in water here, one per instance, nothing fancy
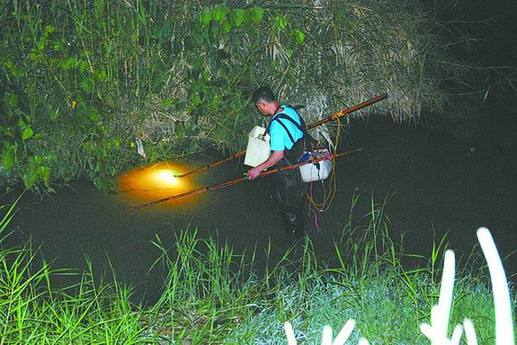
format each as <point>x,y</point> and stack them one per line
<point>288,133</point>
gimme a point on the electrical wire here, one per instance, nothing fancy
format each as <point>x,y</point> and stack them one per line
<point>329,193</point>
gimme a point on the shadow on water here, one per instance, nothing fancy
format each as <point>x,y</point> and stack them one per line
<point>443,180</point>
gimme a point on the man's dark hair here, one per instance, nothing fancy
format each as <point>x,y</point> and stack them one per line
<point>263,93</point>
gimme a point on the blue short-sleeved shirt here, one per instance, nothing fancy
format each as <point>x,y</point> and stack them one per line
<point>279,138</point>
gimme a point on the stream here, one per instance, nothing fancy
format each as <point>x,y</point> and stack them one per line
<point>442,178</point>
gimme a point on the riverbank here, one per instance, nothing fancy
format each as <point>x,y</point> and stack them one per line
<point>213,295</point>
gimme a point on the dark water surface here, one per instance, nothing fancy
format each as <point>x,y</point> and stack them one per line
<point>447,178</point>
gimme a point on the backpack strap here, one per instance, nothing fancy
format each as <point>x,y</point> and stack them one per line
<point>301,126</point>
<point>285,117</point>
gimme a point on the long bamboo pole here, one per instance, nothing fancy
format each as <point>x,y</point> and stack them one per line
<point>212,165</point>
<point>333,117</point>
<point>237,180</point>
<point>336,115</point>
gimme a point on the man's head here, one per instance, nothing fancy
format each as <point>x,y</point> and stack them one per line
<point>265,100</point>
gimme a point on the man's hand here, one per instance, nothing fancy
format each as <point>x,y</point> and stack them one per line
<point>274,158</point>
<point>254,172</point>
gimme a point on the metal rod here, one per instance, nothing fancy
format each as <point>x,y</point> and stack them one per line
<point>333,117</point>
<point>212,165</point>
<point>336,115</point>
<point>237,180</point>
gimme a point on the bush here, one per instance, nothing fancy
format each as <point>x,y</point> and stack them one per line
<point>81,80</point>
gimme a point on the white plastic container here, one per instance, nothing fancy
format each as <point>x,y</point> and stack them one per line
<point>317,171</point>
<point>258,149</point>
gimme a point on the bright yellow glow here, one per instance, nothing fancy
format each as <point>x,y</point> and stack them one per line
<point>154,182</point>
<point>167,177</point>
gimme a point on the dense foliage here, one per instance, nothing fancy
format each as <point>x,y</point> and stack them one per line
<point>80,80</point>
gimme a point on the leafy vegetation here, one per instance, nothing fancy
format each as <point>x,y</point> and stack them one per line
<point>80,80</point>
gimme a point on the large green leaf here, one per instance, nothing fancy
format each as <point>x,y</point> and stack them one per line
<point>93,114</point>
<point>299,36</point>
<point>219,13</point>
<point>8,157</point>
<point>239,17</point>
<point>281,23</point>
<point>206,17</point>
<point>10,100</point>
<point>257,14</point>
<point>101,75</point>
<point>27,133</point>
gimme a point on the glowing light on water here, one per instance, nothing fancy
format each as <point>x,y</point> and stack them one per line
<point>154,182</point>
<point>167,177</point>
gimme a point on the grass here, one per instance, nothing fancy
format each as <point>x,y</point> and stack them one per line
<point>211,295</point>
